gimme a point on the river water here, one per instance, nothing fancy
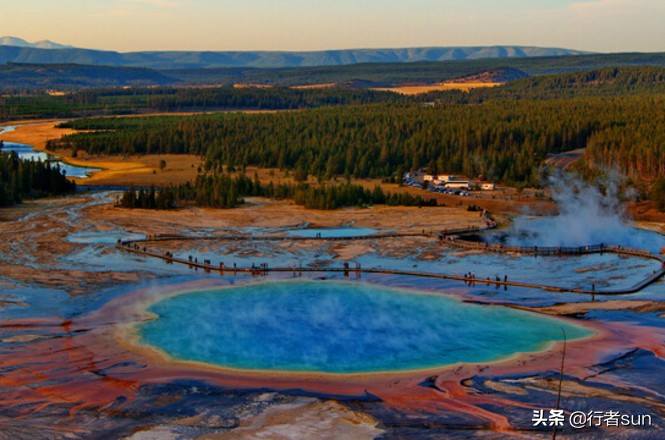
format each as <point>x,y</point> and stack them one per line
<point>27,152</point>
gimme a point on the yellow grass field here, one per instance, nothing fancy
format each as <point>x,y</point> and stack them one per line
<point>315,86</point>
<point>116,170</point>
<point>250,85</point>
<point>418,90</point>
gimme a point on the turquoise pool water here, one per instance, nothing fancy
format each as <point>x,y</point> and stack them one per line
<point>338,327</point>
<point>102,237</point>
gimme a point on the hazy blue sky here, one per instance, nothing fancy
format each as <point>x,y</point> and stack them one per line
<point>127,25</point>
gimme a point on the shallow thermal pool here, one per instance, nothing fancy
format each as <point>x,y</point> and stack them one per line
<point>338,327</point>
<point>103,237</point>
<point>331,232</point>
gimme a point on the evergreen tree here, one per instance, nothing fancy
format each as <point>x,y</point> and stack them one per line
<point>20,179</point>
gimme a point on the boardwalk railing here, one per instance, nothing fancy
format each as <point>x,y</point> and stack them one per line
<point>447,236</point>
<point>547,251</point>
<point>455,238</point>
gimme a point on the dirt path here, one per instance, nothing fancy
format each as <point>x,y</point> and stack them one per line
<point>564,161</point>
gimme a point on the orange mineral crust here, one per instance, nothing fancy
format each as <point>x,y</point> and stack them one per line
<point>96,363</point>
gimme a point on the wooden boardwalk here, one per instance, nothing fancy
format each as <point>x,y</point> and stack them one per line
<point>448,237</point>
<point>157,238</point>
<point>560,251</point>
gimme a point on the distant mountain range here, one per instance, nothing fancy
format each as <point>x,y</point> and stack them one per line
<point>75,77</point>
<point>43,44</point>
<point>52,66</point>
<point>25,77</point>
<point>17,50</point>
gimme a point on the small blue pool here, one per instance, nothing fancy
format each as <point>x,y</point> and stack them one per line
<point>332,232</point>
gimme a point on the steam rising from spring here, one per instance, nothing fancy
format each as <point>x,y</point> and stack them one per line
<point>587,216</point>
<point>335,327</point>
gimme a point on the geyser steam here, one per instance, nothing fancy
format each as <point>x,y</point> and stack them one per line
<point>587,216</point>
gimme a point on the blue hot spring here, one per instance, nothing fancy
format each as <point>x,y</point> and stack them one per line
<point>338,327</point>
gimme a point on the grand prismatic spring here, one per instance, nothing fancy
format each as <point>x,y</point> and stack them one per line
<point>335,327</point>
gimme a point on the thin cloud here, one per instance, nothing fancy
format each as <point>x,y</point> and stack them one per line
<point>143,8</point>
<point>614,6</point>
<point>118,13</point>
<point>161,4</point>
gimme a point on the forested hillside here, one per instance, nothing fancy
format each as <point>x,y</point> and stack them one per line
<point>21,77</point>
<point>503,140</point>
<point>420,72</point>
<point>600,82</point>
<point>502,133</point>
<point>220,190</point>
<point>90,73</point>
<point>114,101</point>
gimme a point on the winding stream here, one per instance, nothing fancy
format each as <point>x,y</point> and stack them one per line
<point>28,152</point>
